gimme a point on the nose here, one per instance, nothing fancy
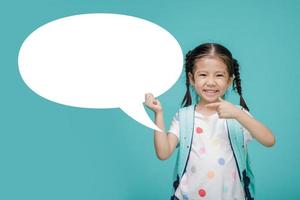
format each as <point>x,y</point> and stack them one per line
<point>211,81</point>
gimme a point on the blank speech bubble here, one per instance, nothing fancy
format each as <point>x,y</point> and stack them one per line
<point>101,60</point>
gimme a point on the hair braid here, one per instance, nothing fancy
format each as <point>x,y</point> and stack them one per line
<point>237,83</point>
<point>187,100</point>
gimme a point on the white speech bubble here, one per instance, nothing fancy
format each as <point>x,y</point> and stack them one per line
<point>101,60</point>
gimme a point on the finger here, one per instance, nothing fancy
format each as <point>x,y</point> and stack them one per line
<point>150,100</point>
<point>147,95</point>
<point>147,98</point>
<point>212,105</point>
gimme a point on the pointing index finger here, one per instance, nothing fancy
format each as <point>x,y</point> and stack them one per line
<point>213,105</point>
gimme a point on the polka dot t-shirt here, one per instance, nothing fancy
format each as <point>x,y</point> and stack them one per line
<point>211,171</point>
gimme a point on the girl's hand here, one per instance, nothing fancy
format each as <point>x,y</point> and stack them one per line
<point>153,103</point>
<point>224,109</point>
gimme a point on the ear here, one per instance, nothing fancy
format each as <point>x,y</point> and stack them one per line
<point>230,81</point>
<point>191,79</point>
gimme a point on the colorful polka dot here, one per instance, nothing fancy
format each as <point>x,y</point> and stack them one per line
<point>199,130</point>
<point>185,197</point>
<point>225,189</point>
<point>202,193</point>
<point>221,161</point>
<point>234,175</point>
<point>193,169</point>
<point>215,141</point>
<point>210,174</point>
<point>202,150</point>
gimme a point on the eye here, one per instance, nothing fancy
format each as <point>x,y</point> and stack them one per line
<point>203,75</point>
<point>220,75</point>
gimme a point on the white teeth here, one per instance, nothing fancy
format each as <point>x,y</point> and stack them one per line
<point>210,92</point>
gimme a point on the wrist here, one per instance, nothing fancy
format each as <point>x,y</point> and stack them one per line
<point>159,112</point>
<point>238,114</point>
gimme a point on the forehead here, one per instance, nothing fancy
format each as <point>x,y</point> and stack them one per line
<point>210,64</point>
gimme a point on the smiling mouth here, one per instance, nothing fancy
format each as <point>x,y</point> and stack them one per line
<point>210,92</point>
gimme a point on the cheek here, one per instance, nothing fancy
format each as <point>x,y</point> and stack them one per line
<point>223,84</point>
<point>199,82</point>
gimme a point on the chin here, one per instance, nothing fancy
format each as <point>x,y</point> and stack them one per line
<point>209,100</point>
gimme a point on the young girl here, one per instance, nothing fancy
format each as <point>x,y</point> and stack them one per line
<point>212,135</point>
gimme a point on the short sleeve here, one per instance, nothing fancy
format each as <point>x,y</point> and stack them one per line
<point>174,127</point>
<point>247,136</point>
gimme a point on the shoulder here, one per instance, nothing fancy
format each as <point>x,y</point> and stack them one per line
<point>185,113</point>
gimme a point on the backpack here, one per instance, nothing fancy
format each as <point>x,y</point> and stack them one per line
<point>236,138</point>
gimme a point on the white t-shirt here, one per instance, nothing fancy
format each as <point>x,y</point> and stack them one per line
<point>211,171</point>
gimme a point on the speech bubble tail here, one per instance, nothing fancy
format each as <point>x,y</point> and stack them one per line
<point>138,113</point>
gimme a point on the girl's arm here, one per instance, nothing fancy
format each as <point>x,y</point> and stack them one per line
<point>259,131</point>
<point>164,143</point>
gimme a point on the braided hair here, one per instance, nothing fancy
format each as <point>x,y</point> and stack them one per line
<point>212,49</point>
<point>237,83</point>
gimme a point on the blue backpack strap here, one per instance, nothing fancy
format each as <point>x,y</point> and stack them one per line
<point>236,138</point>
<point>250,175</point>
<point>239,148</point>
<point>186,120</point>
<point>186,124</point>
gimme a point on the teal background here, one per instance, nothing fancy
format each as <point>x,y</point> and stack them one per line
<point>53,152</point>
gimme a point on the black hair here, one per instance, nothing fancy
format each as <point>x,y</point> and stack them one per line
<point>212,49</point>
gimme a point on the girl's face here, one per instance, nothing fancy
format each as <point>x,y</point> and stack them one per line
<point>211,79</point>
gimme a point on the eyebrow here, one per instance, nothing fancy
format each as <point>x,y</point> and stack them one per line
<point>223,72</point>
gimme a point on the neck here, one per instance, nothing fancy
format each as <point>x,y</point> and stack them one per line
<point>202,103</point>
<point>201,107</point>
